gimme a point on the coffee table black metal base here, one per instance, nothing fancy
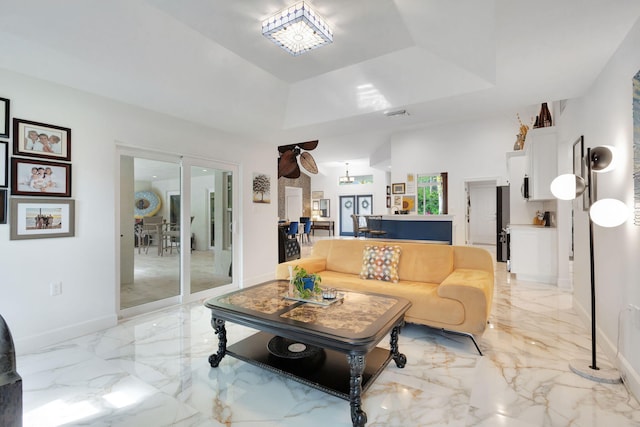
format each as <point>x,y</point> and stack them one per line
<point>333,373</point>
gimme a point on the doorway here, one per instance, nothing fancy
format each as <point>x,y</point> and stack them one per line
<point>481,212</point>
<point>293,203</point>
<point>168,219</point>
<point>353,204</point>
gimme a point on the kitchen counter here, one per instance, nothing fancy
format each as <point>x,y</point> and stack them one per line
<point>418,227</point>
<point>533,250</point>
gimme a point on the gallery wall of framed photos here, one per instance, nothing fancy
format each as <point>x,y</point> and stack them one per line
<point>37,168</point>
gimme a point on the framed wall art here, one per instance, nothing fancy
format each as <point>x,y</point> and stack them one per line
<point>4,164</point>
<point>40,178</point>
<point>3,206</point>
<point>33,139</point>
<point>4,117</point>
<point>398,188</point>
<point>261,188</point>
<point>409,203</point>
<point>41,218</point>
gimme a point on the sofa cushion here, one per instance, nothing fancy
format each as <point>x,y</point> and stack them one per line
<point>345,256</point>
<point>427,306</point>
<point>425,263</point>
<point>380,263</point>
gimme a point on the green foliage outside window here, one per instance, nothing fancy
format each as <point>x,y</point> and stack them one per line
<point>429,194</point>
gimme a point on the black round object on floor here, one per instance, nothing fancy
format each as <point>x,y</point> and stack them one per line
<point>290,349</point>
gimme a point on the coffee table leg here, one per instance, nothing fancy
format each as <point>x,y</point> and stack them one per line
<point>356,368</point>
<point>399,358</point>
<point>218,326</point>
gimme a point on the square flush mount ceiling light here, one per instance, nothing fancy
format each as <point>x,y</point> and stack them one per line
<point>297,29</point>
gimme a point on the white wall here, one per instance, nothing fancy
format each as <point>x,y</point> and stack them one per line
<point>466,150</point>
<point>604,116</point>
<point>86,263</point>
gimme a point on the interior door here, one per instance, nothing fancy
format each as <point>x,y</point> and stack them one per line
<point>149,265</point>
<point>211,259</point>
<point>482,213</point>
<point>361,204</point>
<point>347,208</point>
<point>293,203</point>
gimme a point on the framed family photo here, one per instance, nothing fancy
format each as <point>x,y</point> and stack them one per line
<point>41,218</point>
<point>4,164</point>
<point>4,118</point>
<point>35,139</point>
<point>40,178</point>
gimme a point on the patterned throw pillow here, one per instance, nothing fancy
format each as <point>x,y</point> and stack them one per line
<point>380,263</point>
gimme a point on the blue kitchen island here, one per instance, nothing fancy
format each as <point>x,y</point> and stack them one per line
<point>418,227</point>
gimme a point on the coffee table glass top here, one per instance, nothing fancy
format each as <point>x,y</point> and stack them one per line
<point>356,313</point>
<point>264,299</point>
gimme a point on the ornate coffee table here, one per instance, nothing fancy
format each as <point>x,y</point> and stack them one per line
<point>308,342</point>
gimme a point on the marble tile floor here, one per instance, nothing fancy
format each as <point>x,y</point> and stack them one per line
<point>157,277</point>
<point>152,370</point>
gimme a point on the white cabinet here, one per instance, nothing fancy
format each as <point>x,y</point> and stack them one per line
<point>533,251</point>
<point>542,162</point>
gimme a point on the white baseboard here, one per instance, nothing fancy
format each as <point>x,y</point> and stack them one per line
<point>35,342</point>
<point>565,284</point>
<point>630,376</point>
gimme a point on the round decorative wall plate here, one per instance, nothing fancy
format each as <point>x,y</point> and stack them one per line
<point>147,203</point>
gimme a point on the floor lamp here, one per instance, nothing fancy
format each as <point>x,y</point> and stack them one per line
<point>605,213</point>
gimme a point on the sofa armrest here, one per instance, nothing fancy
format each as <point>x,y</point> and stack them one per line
<point>474,289</point>
<point>311,264</point>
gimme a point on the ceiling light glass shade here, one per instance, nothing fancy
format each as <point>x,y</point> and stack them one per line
<point>567,186</point>
<point>297,29</point>
<point>602,158</point>
<point>609,212</point>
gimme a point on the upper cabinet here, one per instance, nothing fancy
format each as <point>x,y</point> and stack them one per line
<point>542,161</point>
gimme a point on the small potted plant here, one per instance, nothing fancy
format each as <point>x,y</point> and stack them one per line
<point>306,284</point>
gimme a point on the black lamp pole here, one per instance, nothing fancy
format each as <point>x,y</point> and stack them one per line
<point>595,160</point>
<point>593,299</point>
<point>592,195</point>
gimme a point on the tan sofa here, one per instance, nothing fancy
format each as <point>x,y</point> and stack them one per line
<point>450,287</point>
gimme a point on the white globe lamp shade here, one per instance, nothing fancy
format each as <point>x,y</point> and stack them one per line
<point>567,186</point>
<point>609,212</point>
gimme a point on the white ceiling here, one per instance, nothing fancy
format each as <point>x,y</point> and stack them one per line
<point>206,60</point>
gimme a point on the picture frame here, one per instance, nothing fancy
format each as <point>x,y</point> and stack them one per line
<point>388,202</point>
<point>27,182</point>
<point>315,205</point>
<point>579,169</point>
<point>398,188</point>
<point>41,218</point>
<point>261,188</point>
<point>388,190</point>
<point>33,139</point>
<point>409,203</point>
<point>317,194</point>
<point>4,164</point>
<point>3,206</point>
<point>4,117</point>
<point>397,201</point>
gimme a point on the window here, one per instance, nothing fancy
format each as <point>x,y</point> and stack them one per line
<point>432,194</point>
